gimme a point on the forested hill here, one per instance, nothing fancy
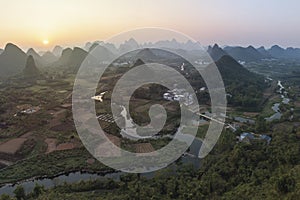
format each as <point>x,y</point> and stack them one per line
<point>244,88</point>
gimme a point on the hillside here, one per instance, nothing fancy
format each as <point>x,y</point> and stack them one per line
<point>30,70</point>
<point>37,58</point>
<point>216,52</point>
<point>57,51</point>
<point>100,53</point>
<point>244,87</point>
<point>264,52</point>
<point>12,60</point>
<point>71,59</point>
<point>49,58</point>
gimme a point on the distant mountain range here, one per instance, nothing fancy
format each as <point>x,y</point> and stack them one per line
<point>243,85</point>
<point>289,53</point>
<point>247,54</point>
<point>251,54</point>
<point>13,59</point>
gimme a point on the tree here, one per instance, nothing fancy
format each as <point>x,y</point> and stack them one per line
<point>37,190</point>
<point>5,197</point>
<point>127,178</point>
<point>20,192</point>
<point>260,125</point>
<point>286,184</point>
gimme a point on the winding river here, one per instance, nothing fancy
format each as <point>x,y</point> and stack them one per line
<point>28,185</point>
<point>276,107</point>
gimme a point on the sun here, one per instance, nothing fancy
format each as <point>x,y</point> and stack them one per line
<point>45,42</point>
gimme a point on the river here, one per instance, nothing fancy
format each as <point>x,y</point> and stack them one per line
<point>276,106</point>
<point>49,183</point>
<point>188,158</point>
<point>28,185</point>
<point>191,158</point>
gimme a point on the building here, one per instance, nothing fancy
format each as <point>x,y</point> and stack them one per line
<point>251,137</point>
<point>179,95</point>
<point>266,138</point>
<point>168,96</point>
<point>246,137</point>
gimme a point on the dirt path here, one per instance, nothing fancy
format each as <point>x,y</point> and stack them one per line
<point>26,135</point>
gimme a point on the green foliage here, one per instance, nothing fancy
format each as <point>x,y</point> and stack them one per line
<point>51,165</point>
<point>285,184</point>
<point>5,197</point>
<point>20,193</point>
<point>246,89</point>
<point>37,191</point>
<point>260,125</point>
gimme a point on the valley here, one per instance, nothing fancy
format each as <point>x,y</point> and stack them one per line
<point>39,143</point>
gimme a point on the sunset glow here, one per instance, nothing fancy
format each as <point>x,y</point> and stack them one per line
<point>74,22</point>
<point>45,42</point>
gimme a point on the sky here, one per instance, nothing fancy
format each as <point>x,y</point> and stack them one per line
<point>43,24</point>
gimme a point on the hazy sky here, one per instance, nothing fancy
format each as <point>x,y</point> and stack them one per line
<point>73,22</point>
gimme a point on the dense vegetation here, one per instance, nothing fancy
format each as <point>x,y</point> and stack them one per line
<point>246,89</point>
<point>232,171</point>
<point>51,165</point>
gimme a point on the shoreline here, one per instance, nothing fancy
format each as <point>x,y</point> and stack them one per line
<point>14,183</point>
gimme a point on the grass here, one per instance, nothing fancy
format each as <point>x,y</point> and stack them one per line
<point>159,143</point>
<point>37,88</point>
<point>39,148</point>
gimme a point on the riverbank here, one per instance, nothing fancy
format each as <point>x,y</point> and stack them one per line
<point>59,179</point>
<point>82,174</point>
<point>49,165</point>
<point>276,106</point>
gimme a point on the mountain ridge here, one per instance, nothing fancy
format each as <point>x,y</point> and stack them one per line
<point>12,60</point>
